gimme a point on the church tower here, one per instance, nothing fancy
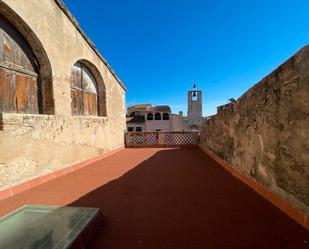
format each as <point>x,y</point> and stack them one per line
<point>195,112</point>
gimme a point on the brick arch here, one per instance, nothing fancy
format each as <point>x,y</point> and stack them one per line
<point>45,81</point>
<point>101,89</point>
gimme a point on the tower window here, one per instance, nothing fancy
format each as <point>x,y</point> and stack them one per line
<point>194,96</point>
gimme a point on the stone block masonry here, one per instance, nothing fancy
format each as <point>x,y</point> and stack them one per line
<point>265,133</point>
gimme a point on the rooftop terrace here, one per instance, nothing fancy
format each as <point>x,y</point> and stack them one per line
<point>168,198</point>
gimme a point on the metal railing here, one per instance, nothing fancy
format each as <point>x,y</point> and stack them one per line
<point>161,139</point>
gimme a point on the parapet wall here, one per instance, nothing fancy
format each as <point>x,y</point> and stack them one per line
<point>265,133</point>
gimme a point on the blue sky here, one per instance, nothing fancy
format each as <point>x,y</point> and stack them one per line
<point>158,48</point>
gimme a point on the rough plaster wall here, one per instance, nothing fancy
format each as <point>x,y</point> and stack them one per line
<point>178,123</point>
<point>35,145</point>
<point>153,125</point>
<point>265,134</point>
<point>31,145</point>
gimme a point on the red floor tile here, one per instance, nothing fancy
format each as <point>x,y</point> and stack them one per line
<point>169,198</point>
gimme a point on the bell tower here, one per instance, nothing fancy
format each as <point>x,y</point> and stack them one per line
<point>195,112</point>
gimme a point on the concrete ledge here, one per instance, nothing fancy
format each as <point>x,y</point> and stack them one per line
<point>6,193</point>
<point>286,207</point>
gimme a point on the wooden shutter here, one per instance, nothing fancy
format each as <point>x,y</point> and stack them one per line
<point>76,90</point>
<point>6,91</point>
<point>18,72</point>
<point>84,91</point>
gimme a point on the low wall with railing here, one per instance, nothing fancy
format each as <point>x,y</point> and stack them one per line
<point>161,139</point>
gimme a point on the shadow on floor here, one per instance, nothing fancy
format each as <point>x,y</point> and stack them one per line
<point>182,199</point>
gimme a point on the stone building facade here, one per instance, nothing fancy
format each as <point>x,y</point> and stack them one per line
<point>60,101</point>
<point>158,118</point>
<point>145,117</point>
<point>265,133</point>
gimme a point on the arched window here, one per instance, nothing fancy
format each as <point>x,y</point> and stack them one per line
<point>149,116</point>
<point>166,116</point>
<point>19,74</point>
<point>26,84</point>
<point>84,91</point>
<point>158,116</point>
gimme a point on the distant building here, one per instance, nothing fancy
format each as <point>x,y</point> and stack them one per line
<point>158,118</point>
<point>145,117</point>
<point>136,117</point>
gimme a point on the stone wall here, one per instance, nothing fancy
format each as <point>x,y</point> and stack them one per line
<point>154,125</point>
<point>265,133</point>
<point>178,123</point>
<point>32,145</point>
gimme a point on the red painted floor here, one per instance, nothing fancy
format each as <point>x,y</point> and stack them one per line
<point>169,198</point>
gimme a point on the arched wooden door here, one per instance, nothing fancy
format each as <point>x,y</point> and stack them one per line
<point>19,79</point>
<point>83,91</point>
